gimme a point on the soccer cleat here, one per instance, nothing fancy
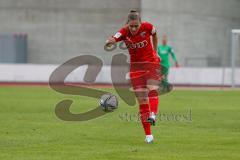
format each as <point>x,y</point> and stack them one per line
<point>149,139</point>
<point>152,119</point>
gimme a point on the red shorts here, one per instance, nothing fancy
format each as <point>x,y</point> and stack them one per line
<point>141,73</point>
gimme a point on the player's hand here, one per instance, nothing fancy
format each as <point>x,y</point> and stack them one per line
<point>177,65</point>
<point>110,41</point>
<point>110,44</point>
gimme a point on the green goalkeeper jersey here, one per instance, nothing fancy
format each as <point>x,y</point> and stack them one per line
<point>163,52</point>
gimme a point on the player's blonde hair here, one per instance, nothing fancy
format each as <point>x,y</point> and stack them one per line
<point>134,15</point>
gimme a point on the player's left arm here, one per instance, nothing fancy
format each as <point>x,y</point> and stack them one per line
<point>153,32</point>
<point>155,41</point>
<point>174,57</point>
<point>119,36</point>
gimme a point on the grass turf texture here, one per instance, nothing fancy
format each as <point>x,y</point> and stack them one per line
<point>30,130</point>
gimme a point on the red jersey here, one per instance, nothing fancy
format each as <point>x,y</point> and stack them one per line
<point>139,46</point>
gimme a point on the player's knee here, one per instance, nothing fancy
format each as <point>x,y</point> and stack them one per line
<point>153,84</point>
<point>152,87</point>
<point>142,100</point>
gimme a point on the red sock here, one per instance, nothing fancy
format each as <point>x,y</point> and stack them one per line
<point>144,114</point>
<point>153,101</point>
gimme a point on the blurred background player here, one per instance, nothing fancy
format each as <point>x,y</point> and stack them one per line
<point>164,50</point>
<point>141,40</point>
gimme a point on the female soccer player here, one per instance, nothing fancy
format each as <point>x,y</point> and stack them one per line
<point>141,40</point>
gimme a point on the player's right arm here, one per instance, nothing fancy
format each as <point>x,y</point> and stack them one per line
<point>110,41</point>
<point>119,36</point>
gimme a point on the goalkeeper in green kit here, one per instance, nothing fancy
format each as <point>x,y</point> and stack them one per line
<point>164,51</point>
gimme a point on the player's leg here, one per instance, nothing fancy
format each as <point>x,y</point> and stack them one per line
<point>153,83</point>
<point>165,71</point>
<point>153,103</point>
<point>141,92</point>
<point>144,109</point>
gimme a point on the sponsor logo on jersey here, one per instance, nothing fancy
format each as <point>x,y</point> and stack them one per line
<point>164,52</point>
<point>137,45</point>
<point>143,34</point>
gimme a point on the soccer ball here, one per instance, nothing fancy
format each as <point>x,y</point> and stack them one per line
<point>108,102</point>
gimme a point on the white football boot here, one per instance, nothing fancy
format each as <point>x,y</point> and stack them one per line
<point>149,139</point>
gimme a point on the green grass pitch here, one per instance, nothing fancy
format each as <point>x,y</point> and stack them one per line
<point>30,130</point>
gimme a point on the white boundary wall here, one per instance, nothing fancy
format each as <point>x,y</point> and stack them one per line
<point>182,76</point>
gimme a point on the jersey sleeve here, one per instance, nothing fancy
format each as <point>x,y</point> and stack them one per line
<point>172,54</point>
<point>150,28</point>
<point>120,35</point>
